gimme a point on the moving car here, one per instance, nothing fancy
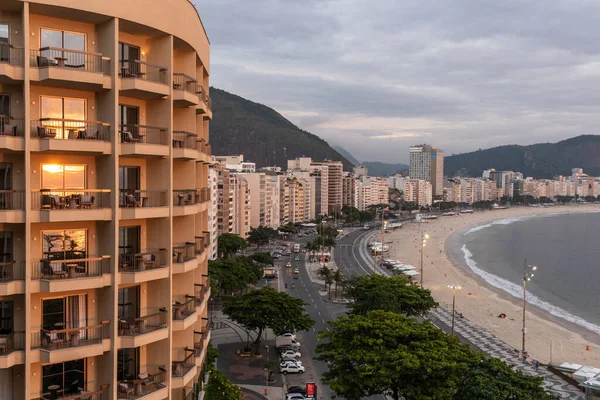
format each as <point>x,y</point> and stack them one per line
<point>297,258</point>
<point>292,369</point>
<point>296,271</point>
<point>289,265</point>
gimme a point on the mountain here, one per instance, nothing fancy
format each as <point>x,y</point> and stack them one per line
<point>261,134</point>
<point>543,160</point>
<point>346,154</point>
<point>377,168</point>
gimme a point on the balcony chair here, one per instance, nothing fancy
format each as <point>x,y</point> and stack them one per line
<point>87,201</point>
<point>9,130</point>
<point>45,62</point>
<point>126,328</point>
<point>46,133</point>
<point>3,346</point>
<point>130,201</point>
<point>129,138</point>
<point>88,134</point>
<point>58,203</point>
<point>125,389</point>
<point>52,270</point>
<point>46,202</point>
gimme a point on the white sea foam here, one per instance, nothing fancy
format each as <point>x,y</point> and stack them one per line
<point>517,291</point>
<point>511,220</point>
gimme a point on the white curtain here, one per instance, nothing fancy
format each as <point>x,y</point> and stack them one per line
<point>78,313</point>
<point>6,383</point>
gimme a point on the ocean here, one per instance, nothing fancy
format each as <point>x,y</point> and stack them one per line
<point>564,247</point>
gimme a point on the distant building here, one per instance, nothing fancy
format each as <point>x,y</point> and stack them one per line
<point>427,163</point>
<point>235,163</point>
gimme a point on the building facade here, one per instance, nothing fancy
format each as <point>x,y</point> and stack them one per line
<point>104,209</point>
<point>427,163</point>
<point>335,171</point>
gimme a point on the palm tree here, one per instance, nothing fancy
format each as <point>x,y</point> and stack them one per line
<point>337,277</point>
<point>325,273</point>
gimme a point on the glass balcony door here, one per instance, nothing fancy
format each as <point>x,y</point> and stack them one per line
<point>65,312</point>
<point>64,244</point>
<point>6,247</point>
<point>129,304</point>
<point>4,40</point>
<point>55,110</point>
<point>69,376</point>
<point>64,40</point>
<point>128,364</point>
<point>6,317</point>
<point>6,383</point>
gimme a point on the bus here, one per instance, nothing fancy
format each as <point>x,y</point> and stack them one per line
<point>297,248</point>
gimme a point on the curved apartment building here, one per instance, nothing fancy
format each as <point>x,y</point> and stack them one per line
<point>104,151</point>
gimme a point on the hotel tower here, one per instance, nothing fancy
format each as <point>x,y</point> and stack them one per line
<point>104,153</point>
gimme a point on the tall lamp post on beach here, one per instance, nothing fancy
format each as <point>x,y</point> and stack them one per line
<point>424,237</point>
<point>527,275</point>
<point>454,289</point>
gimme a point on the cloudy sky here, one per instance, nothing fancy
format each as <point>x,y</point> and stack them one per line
<point>377,76</point>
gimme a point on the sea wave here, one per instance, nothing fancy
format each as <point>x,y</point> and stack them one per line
<point>516,290</point>
<point>511,220</point>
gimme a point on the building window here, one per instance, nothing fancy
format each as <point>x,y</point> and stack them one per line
<point>6,317</point>
<point>128,364</point>
<point>65,312</point>
<point>61,177</point>
<point>64,244</point>
<point>62,114</point>
<point>68,375</point>
<point>62,39</point>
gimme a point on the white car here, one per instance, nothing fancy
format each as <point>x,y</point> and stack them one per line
<point>290,354</point>
<point>291,369</point>
<point>295,396</point>
<point>292,360</point>
<point>288,334</point>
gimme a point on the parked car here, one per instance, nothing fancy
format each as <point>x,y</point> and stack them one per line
<point>277,256</point>
<point>295,396</point>
<point>292,369</point>
<point>293,363</point>
<point>288,334</point>
<point>297,389</point>
<point>291,360</point>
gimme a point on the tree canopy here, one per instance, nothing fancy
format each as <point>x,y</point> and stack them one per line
<point>220,387</point>
<point>394,293</point>
<point>233,274</point>
<point>262,258</point>
<point>264,308</point>
<point>261,236</point>
<point>229,244</point>
<point>384,352</point>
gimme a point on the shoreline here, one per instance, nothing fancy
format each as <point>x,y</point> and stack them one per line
<point>481,302</point>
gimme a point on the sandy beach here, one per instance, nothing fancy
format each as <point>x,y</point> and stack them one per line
<point>481,303</point>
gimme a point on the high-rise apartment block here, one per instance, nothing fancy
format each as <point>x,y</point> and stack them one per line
<point>427,163</point>
<point>365,191</point>
<point>104,152</point>
<point>335,171</point>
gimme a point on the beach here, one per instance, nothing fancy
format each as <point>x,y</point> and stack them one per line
<point>548,339</point>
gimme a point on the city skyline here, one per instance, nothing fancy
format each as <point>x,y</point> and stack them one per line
<point>377,80</point>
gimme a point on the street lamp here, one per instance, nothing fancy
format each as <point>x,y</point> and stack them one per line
<point>424,237</point>
<point>454,289</point>
<point>527,275</point>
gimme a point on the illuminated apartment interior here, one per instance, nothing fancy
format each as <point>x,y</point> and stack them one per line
<point>104,152</point>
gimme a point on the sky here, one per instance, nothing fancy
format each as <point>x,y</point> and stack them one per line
<point>378,76</point>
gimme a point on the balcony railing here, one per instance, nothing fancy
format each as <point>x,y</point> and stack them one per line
<point>181,368</point>
<point>70,199</point>
<point>11,55</point>
<point>187,140</point>
<point>134,327</point>
<point>202,243</point>
<point>10,126</point>
<point>100,394</point>
<point>145,260</point>
<point>183,252</point>
<point>70,337</point>
<point>143,134</point>
<point>185,197</point>
<point>12,271</point>
<point>142,70</point>
<point>142,198</point>
<point>204,195</point>
<point>208,102</point>
<point>201,337</point>
<point>200,291</point>
<point>186,83</point>
<point>202,93</point>
<point>70,269</point>
<point>182,311</point>
<point>12,342</point>
<point>12,200</point>
<point>69,129</point>
<point>69,59</point>
<point>145,384</point>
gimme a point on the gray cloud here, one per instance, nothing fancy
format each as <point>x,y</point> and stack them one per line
<point>378,76</point>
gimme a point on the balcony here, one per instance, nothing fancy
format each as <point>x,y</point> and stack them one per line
<point>12,206</point>
<point>186,91</point>
<point>203,337</point>
<point>182,372</point>
<point>149,386</point>
<point>184,257</point>
<point>67,205</point>
<point>11,133</point>
<point>71,343</point>
<point>12,349</point>
<point>184,314</point>
<point>74,274</point>
<point>71,69</point>
<point>142,80</point>
<point>11,64</point>
<point>136,332</point>
<point>12,278</point>
<point>202,107</point>
<point>204,195</point>
<point>100,394</point>
<point>69,135</point>
<point>143,204</point>
<point>141,267</point>
<point>186,145</point>
<point>185,202</point>
<point>201,294</point>
<point>202,242</point>
<point>144,140</point>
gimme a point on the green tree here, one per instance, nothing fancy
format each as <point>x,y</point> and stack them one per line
<point>265,308</point>
<point>229,244</point>
<point>338,278</point>
<point>220,388</point>
<point>233,274</point>
<point>492,379</point>
<point>384,352</point>
<point>393,293</point>
<point>262,258</point>
<point>288,228</point>
<point>261,236</point>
